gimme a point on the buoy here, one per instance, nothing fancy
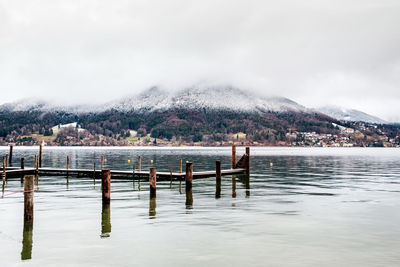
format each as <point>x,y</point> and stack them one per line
<point>271,164</point>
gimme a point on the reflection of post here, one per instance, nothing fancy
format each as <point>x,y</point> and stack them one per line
<point>247,184</point>
<point>152,207</point>
<point>188,184</point>
<point>233,186</point>
<point>106,185</point>
<point>170,178</point>
<point>233,156</point>
<point>27,240</point>
<point>218,179</point>
<point>105,220</point>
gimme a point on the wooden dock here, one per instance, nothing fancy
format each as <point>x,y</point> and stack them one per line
<point>240,167</point>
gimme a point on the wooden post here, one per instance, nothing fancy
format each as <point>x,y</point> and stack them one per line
<point>67,164</point>
<point>248,161</point>
<point>218,179</point>
<point>233,156</point>
<point>188,184</point>
<point>153,181</point>
<point>102,163</point>
<point>94,172</point>
<point>28,197</point>
<point>36,164</point>
<point>170,177</point>
<point>180,165</point>
<point>27,240</point>
<point>106,185</point>
<point>139,163</point>
<point>6,160</point>
<point>11,154</point>
<point>22,163</point>
<point>40,156</point>
<point>4,169</point>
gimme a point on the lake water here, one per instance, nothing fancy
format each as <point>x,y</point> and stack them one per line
<point>313,207</point>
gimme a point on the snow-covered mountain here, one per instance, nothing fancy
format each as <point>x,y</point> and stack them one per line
<point>156,99</point>
<point>224,98</point>
<point>340,113</point>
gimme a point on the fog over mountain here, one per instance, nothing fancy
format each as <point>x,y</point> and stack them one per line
<point>316,53</point>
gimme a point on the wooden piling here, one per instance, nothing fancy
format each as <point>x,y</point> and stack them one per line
<point>22,163</point>
<point>105,220</point>
<point>36,163</point>
<point>139,163</point>
<point>102,163</point>
<point>233,157</point>
<point>153,181</point>
<point>106,185</point>
<point>40,155</point>
<point>189,183</point>
<point>248,161</point>
<point>170,177</point>
<point>6,160</point>
<point>27,240</point>
<point>218,179</point>
<point>67,164</point>
<point>11,155</point>
<point>4,169</point>
<point>28,197</point>
<point>94,172</point>
<point>180,165</point>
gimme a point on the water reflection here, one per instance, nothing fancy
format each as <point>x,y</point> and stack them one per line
<point>233,186</point>
<point>152,208</point>
<point>189,199</point>
<point>105,220</point>
<point>27,240</point>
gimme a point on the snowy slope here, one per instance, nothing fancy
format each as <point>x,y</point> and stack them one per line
<point>349,114</point>
<point>224,98</point>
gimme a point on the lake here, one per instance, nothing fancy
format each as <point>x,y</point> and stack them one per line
<point>310,207</point>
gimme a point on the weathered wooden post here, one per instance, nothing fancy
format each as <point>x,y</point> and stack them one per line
<point>180,165</point>
<point>170,178</point>
<point>153,181</point>
<point>4,169</point>
<point>94,172</point>
<point>233,157</point>
<point>36,165</point>
<point>106,186</point>
<point>28,197</point>
<point>27,240</point>
<point>6,160</point>
<point>22,163</point>
<point>102,163</point>
<point>248,161</point>
<point>188,184</point>
<point>139,163</point>
<point>218,179</point>
<point>11,154</point>
<point>40,155</point>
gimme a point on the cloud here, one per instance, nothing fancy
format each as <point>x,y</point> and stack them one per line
<point>316,52</point>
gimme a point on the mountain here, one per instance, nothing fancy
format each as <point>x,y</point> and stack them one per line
<point>344,114</point>
<point>215,98</point>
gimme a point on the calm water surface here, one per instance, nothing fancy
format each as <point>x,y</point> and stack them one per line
<point>313,207</point>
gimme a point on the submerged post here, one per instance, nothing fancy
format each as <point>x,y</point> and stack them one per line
<point>218,179</point>
<point>106,186</point>
<point>28,197</point>
<point>11,154</point>
<point>233,157</point>
<point>40,155</point>
<point>153,182</point>
<point>22,163</point>
<point>188,184</point>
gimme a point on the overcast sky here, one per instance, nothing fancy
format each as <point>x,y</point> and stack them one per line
<point>315,52</point>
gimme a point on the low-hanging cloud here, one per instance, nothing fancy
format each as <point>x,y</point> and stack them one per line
<point>316,52</point>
